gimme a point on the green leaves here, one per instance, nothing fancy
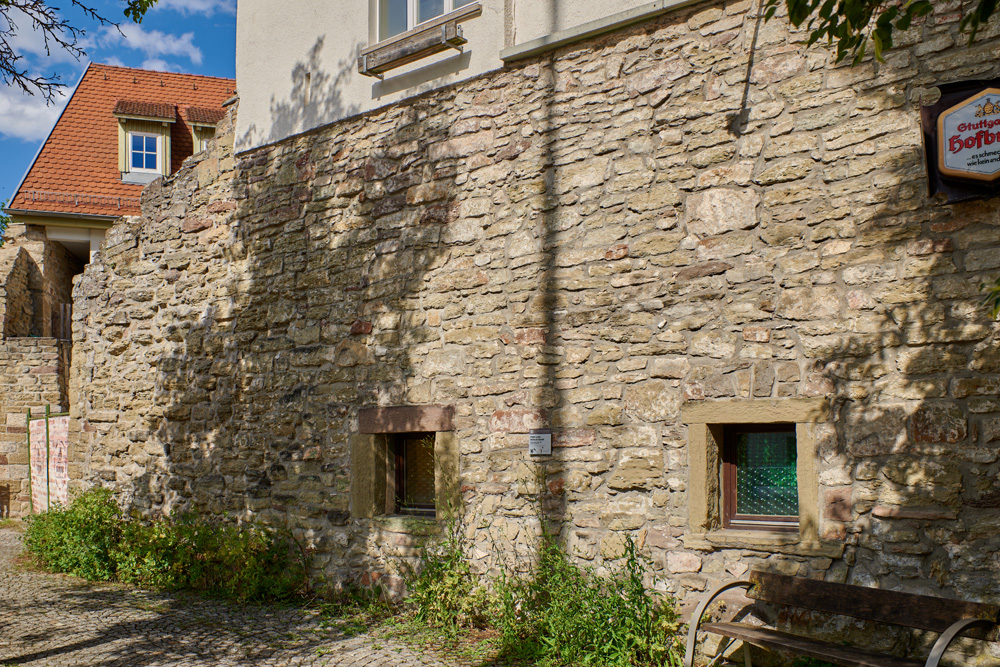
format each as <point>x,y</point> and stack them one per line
<point>564,614</point>
<point>849,25</point>
<point>4,218</point>
<point>136,9</point>
<point>991,297</point>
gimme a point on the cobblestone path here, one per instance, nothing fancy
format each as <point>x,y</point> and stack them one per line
<point>56,620</point>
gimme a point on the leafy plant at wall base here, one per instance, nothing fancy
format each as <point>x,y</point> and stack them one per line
<point>79,539</point>
<point>443,589</point>
<point>92,539</point>
<point>991,297</point>
<point>563,614</point>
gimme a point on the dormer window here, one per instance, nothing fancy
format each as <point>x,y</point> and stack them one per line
<point>144,140</point>
<point>398,16</point>
<point>202,122</point>
<point>144,152</point>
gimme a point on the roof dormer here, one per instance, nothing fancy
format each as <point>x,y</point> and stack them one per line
<point>144,139</point>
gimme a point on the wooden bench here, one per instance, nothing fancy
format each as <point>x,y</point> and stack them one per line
<point>947,617</point>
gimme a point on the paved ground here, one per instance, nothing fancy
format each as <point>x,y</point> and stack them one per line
<point>56,620</point>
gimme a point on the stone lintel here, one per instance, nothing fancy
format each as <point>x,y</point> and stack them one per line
<point>756,411</point>
<point>406,419</point>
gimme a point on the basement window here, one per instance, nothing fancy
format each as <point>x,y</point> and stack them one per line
<point>760,485</point>
<point>405,461</point>
<point>412,460</point>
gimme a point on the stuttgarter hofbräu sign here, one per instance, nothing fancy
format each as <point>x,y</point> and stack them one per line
<point>968,137</point>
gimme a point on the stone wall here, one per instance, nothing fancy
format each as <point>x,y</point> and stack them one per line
<point>28,240</point>
<point>16,312</point>
<point>33,374</point>
<point>595,241</point>
<point>59,268</point>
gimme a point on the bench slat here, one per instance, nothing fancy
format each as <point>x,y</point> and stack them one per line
<point>810,648</point>
<point>873,604</point>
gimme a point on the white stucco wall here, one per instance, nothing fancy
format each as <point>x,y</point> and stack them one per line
<point>296,61</point>
<point>537,18</point>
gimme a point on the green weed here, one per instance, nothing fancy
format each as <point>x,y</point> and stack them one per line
<point>563,614</point>
<point>443,590</point>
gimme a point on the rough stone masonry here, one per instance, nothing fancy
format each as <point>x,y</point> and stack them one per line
<point>627,241</point>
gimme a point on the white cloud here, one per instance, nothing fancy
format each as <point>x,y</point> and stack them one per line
<point>206,7</point>
<point>160,65</point>
<point>27,117</point>
<point>152,43</point>
<point>114,61</point>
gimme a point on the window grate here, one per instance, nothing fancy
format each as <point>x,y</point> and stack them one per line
<point>760,475</point>
<point>414,462</point>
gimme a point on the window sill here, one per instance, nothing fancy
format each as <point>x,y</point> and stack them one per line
<point>422,41</point>
<point>759,540</point>
<point>139,178</point>
<point>408,524</point>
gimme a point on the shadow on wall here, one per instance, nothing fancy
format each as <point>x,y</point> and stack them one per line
<point>329,244</point>
<point>469,248</point>
<point>316,97</point>
<point>21,292</point>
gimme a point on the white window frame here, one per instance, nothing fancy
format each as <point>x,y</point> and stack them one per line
<point>411,14</point>
<point>159,153</point>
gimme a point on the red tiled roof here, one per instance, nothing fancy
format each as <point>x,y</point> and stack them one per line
<point>77,169</point>
<point>202,116</point>
<point>145,109</point>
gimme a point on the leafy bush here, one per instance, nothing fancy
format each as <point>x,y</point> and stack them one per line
<point>564,614</point>
<point>242,563</point>
<point>79,539</point>
<point>92,539</point>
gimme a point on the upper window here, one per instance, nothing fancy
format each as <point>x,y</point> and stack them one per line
<point>760,488</point>
<point>396,16</point>
<point>144,152</point>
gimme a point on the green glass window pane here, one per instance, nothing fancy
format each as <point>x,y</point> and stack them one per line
<point>765,475</point>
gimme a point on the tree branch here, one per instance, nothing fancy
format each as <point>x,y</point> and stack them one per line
<point>58,33</point>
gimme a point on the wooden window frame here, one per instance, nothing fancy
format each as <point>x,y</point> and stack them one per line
<point>730,518</point>
<point>130,152</point>
<point>411,16</point>
<point>397,482</point>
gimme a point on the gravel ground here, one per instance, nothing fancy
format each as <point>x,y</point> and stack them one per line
<point>50,619</point>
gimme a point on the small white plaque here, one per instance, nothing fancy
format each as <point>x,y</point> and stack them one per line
<point>540,442</point>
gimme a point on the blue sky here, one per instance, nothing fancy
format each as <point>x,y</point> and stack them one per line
<point>195,36</point>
